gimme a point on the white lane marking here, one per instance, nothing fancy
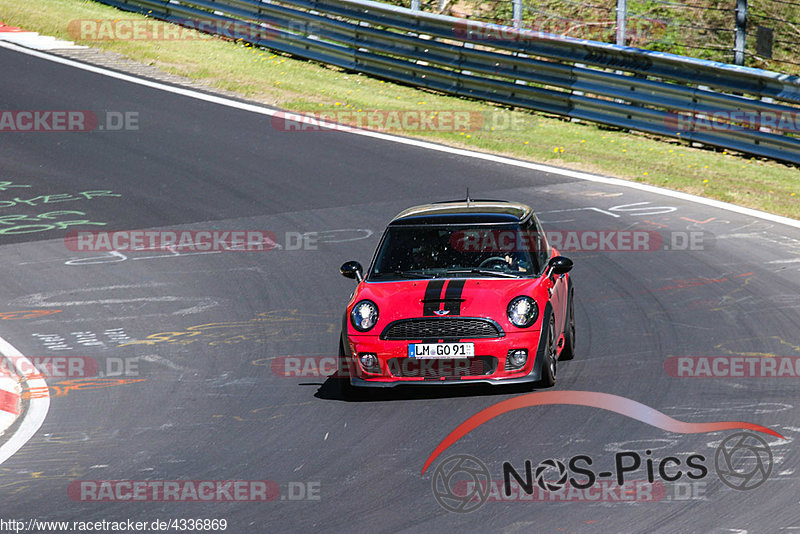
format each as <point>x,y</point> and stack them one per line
<point>155,358</point>
<point>414,142</point>
<point>114,256</point>
<point>795,260</point>
<point>37,41</point>
<point>599,210</point>
<point>44,300</point>
<point>117,301</point>
<point>646,209</point>
<point>38,406</point>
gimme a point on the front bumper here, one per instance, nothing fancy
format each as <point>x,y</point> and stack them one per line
<point>393,355</point>
<point>527,379</point>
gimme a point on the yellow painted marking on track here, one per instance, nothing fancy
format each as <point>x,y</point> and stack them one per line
<point>30,314</point>
<point>284,324</point>
<point>277,416</point>
<point>65,387</point>
<point>790,348</point>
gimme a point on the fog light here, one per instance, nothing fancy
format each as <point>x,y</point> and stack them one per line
<point>369,361</point>
<point>516,359</point>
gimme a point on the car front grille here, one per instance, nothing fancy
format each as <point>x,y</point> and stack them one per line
<point>420,368</point>
<point>442,328</point>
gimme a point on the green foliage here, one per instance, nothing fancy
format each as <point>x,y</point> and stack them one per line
<point>696,28</point>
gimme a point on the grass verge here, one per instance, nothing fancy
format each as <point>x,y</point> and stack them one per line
<point>296,85</point>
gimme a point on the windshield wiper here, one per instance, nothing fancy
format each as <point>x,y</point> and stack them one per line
<point>486,272</point>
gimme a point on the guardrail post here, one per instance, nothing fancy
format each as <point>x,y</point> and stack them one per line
<point>622,20</point>
<point>741,32</point>
<point>415,5</point>
<point>517,13</point>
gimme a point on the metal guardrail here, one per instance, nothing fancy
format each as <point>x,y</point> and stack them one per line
<point>738,108</point>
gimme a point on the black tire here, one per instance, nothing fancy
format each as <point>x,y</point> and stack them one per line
<point>346,391</point>
<point>568,352</point>
<point>550,364</point>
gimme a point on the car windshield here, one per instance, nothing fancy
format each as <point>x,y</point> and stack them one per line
<point>434,251</point>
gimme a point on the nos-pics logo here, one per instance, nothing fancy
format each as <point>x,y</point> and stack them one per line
<point>461,483</point>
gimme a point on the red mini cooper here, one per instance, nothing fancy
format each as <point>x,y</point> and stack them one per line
<point>459,292</point>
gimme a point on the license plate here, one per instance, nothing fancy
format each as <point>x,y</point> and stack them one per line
<point>435,351</point>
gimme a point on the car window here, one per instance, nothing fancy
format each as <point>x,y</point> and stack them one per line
<point>435,250</point>
<point>542,247</point>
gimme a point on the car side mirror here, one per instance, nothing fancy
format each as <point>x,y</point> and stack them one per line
<point>559,265</point>
<point>352,269</point>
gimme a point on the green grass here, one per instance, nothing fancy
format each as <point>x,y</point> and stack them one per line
<point>305,86</point>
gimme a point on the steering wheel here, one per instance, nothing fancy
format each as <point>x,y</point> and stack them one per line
<point>494,259</point>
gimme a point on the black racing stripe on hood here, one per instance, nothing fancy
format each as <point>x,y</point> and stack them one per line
<point>432,299</point>
<point>452,296</point>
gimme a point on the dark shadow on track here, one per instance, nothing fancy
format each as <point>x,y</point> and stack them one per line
<point>332,389</point>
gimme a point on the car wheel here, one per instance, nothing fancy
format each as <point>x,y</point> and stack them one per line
<point>550,364</point>
<point>568,352</point>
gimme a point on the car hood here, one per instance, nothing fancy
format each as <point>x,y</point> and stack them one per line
<point>445,297</point>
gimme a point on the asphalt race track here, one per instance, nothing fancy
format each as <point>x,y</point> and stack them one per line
<point>206,400</point>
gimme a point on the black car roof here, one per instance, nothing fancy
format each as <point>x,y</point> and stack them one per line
<point>464,212</point>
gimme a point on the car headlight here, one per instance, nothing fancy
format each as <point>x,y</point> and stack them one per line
<point>364,315</point>
<point>522,311</point>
